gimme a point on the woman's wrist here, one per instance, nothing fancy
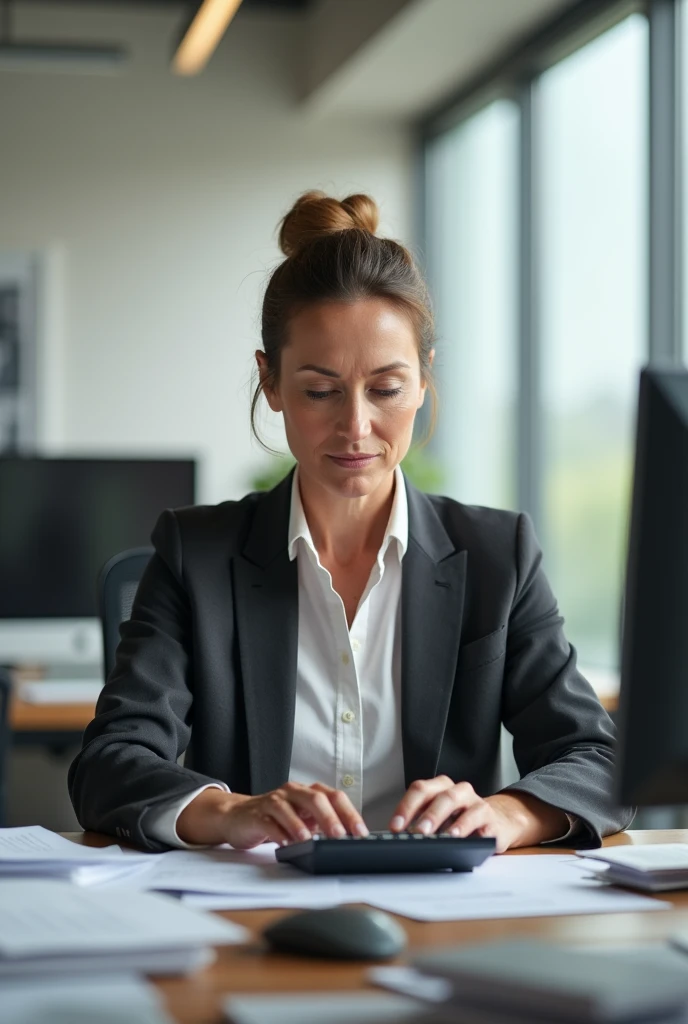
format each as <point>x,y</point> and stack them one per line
<point>203,822</point>
<point>533,821</point>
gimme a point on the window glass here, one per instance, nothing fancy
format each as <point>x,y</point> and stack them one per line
<point>593,176</point>
<point>471,217</point>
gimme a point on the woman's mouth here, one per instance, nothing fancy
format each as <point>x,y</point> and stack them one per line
<point>356,461</point>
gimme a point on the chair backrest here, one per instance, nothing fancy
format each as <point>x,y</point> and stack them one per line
<point>117,585</point>
<point>5,694</point>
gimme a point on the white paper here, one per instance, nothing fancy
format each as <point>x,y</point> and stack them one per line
<point>650,857</point>
<point>33,843</point>
<point>334,1007</point>
<point>39,918</point>
<point>229,872</point>
<point>107,999</point>
<point>410,982</point>
<point>301,900</point>
<point>516,886</point>
<point>61,691</point>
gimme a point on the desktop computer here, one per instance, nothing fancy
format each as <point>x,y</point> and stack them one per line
<point>61,519</point>
<point>652,758</point>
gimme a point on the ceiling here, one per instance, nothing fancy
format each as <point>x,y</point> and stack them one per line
<point>285,5</point>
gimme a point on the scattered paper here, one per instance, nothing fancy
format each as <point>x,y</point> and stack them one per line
<point>334,1007</point>
<point>531,885</point>
<point>108,999</point>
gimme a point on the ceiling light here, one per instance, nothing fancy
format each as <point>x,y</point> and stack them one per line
<point>203,34</point>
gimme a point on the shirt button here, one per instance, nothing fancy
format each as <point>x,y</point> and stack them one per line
<point>348,780</point>
<point>355,646</point>
<point>348,716</point>
<point>345,658</point>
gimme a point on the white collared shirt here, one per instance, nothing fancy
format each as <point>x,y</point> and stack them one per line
<point>347,720</point>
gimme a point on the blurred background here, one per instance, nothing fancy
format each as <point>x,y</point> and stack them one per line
<point>530,153</point>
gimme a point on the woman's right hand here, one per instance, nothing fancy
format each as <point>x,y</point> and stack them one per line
<point>289,814</point>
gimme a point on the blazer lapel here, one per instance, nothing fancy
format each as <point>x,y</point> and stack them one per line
<point>432,600</point>
<point>267,616</point>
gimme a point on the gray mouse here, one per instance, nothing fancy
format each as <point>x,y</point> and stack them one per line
<point>345,933</point>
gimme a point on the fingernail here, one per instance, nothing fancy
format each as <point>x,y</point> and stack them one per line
<point>338,831</point>
<point>360,829</point>
<point>304,834</point>
<point>425,826</point>
<point>456,831</point>
<point>396,823</point>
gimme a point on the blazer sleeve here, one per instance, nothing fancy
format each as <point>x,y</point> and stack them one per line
<point>564,740</point>
<point>128,762</point>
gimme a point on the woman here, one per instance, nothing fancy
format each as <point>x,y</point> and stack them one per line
<point>339,653</point>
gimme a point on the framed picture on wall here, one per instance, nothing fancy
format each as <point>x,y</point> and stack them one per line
<point>17,352</point>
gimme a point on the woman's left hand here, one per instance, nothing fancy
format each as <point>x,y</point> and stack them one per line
<point>512,819</point>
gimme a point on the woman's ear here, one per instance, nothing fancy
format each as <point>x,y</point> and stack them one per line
<point>270,391</point>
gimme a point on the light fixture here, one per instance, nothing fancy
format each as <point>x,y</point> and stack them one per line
<point>207,28</point>
<point>64,57</point>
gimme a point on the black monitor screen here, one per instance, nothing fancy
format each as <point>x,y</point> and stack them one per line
<point>62,519</point>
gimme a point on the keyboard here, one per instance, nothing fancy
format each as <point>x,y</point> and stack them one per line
<point>386,852</point>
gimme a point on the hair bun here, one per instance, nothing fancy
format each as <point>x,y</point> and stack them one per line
<point>314,214</point>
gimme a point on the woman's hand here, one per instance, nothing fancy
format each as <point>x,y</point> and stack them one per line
<point>285,815</point>
<point>513,819</point>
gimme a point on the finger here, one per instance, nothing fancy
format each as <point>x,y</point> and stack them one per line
<point>345,810</point>
<point>277,806</point>
<point>320,807</point>
<point>447,805</point>
<point>476,817</point>
<point>417,796</point>
<point>274,833</point>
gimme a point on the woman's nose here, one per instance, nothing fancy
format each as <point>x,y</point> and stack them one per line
<point>354,421</point>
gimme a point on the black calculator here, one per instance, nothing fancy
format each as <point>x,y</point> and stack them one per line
<point>386,852</point>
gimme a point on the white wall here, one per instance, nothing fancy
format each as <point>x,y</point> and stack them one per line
<point>156,199</point>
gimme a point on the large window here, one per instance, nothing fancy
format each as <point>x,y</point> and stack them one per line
<point>471,212</point>
<point>592,297</point>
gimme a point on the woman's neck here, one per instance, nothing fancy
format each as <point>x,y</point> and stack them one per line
<point>344,529</point>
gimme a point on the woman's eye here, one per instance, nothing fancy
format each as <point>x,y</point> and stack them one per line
<point>317,395</point>
<point>387,392</point>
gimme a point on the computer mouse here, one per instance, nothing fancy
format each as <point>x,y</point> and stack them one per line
<point>345,933</point>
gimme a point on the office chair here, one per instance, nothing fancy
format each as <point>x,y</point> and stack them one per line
<point>117,585</point>
<point>5,694</point>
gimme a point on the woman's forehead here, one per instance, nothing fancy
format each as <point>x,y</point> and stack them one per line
<point>370,332</point>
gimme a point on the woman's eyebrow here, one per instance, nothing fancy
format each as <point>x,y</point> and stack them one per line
<point>399,365</point>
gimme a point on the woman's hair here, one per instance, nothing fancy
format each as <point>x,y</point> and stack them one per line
<point>333,255</point>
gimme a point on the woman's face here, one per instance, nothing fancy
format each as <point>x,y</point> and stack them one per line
<point>349,389</point>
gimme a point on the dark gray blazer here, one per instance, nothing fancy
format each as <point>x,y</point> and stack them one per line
<point>207,665</point>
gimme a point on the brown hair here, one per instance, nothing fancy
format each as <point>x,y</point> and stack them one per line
<point>333,254</point>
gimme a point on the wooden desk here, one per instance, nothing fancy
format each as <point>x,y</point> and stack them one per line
<point>249,968</point>
<point>52,725</point>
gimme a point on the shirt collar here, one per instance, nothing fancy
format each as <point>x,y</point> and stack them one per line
<point>397,527</point>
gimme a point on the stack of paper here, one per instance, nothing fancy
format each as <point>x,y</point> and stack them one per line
<point>657,867</point>
<point>522,982</point>
<point>49,927</point>
<point>107,999</point>
<point>34,852</point>
<point>333,1007</point>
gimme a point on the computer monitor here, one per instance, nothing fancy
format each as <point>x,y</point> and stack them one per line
<point>60,521</point>
<point>652,759</point>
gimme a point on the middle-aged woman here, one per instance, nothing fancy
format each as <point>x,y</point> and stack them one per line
<point>340,653</point>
